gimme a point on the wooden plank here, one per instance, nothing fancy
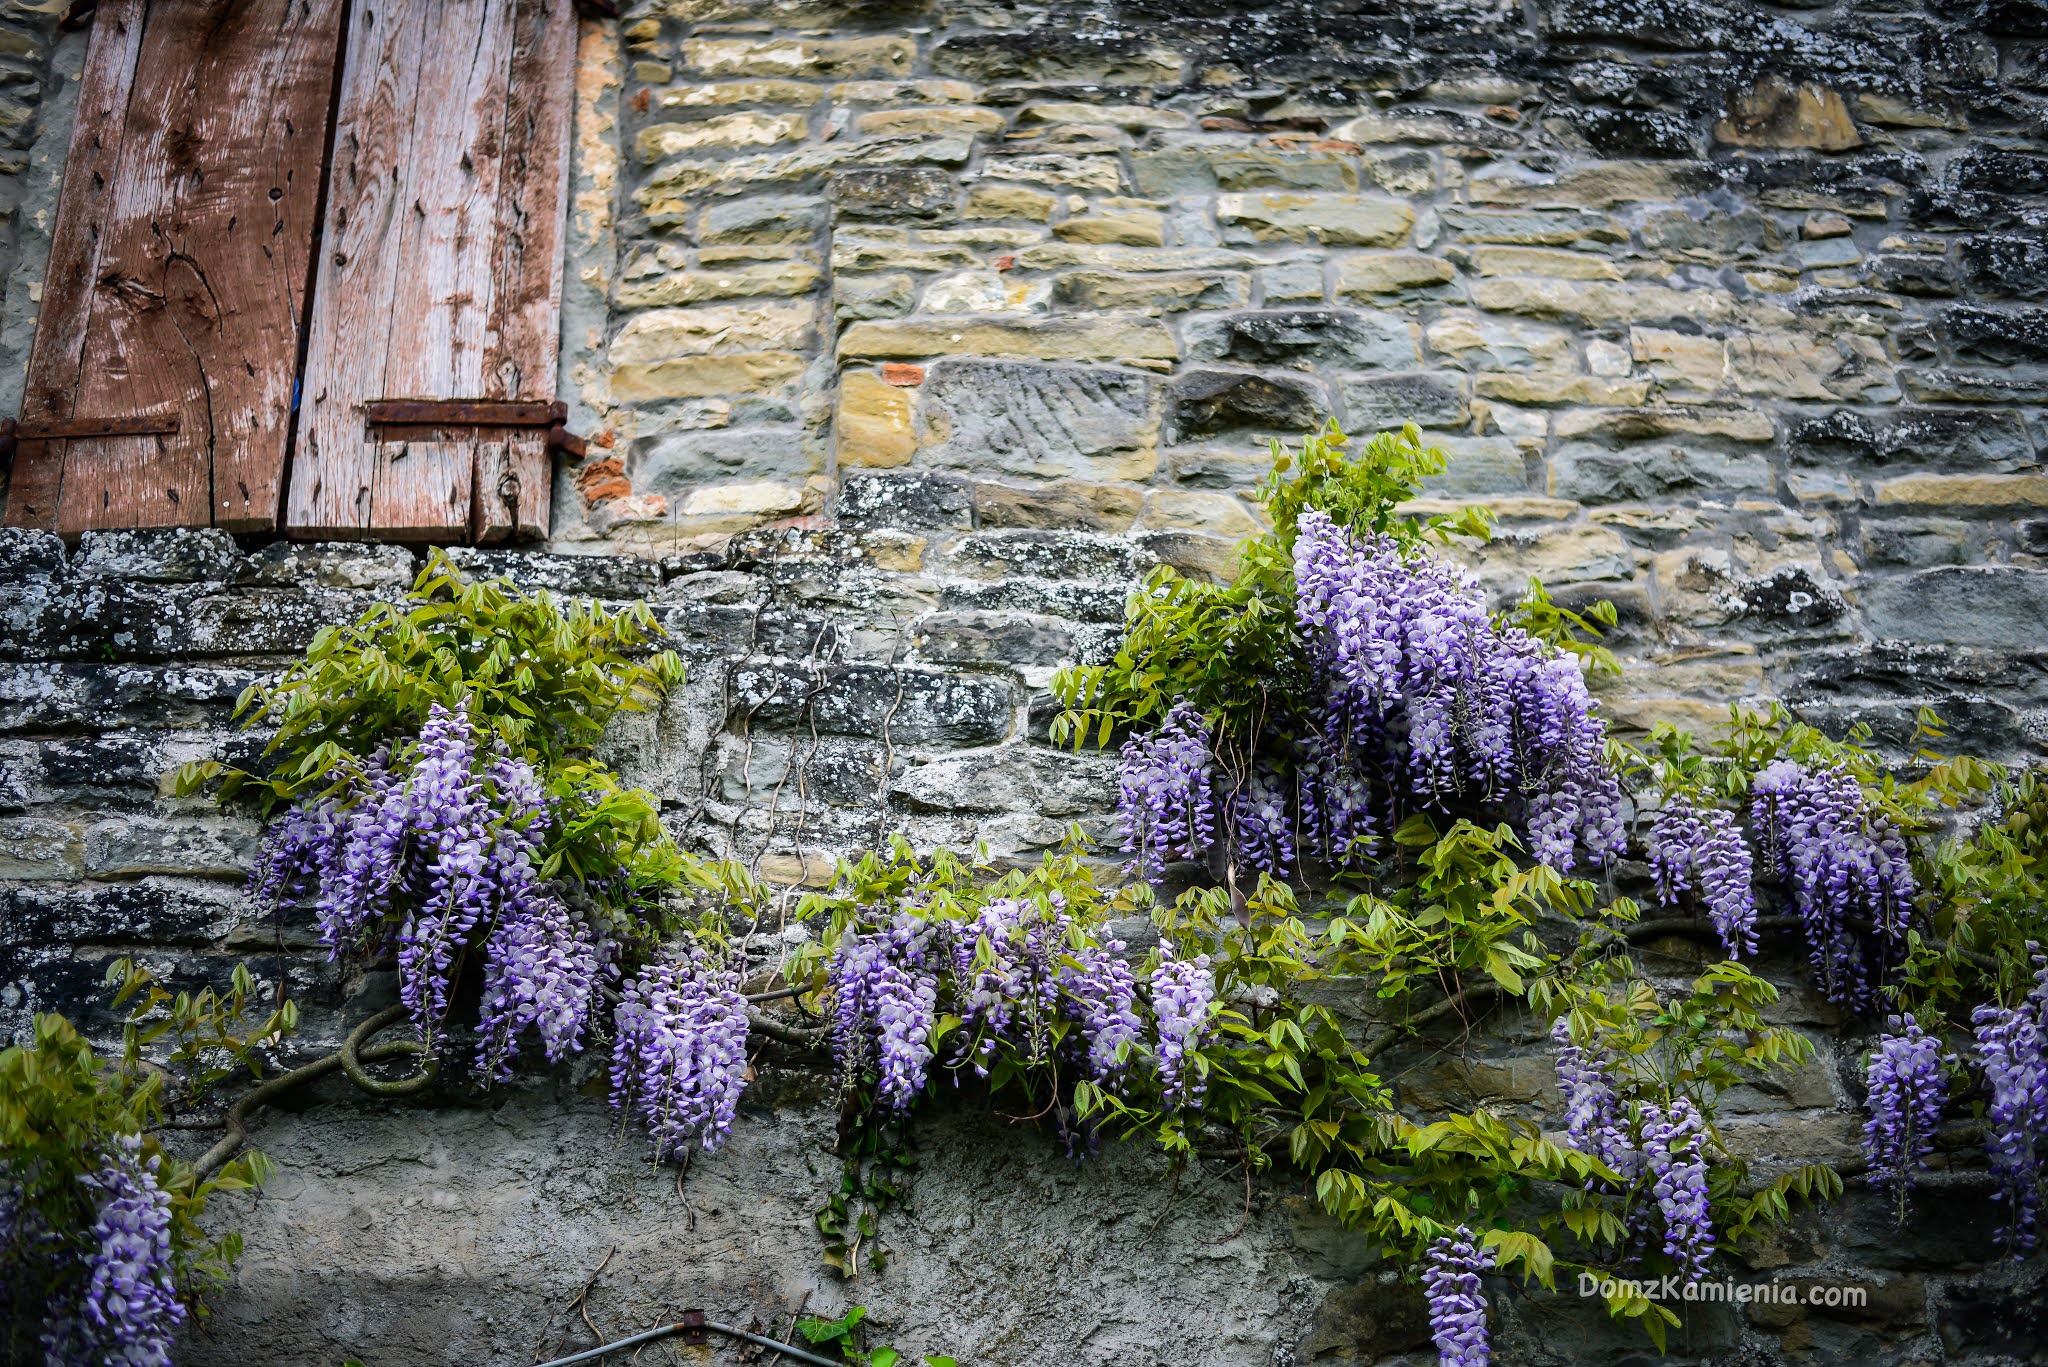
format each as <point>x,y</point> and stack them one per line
<point>90,171</point>
<point>442,306</point>
<point>525,332</point>
<point>356,282</point>
<point>196,295</point>
<point>471,226</point>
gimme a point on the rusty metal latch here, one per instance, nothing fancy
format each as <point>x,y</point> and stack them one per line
<point>67,429</point>
<point>481,413</point>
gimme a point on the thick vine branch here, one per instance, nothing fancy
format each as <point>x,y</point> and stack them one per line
<point>354,1052</point>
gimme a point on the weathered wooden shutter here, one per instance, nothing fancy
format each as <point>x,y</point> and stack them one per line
<point>440,270</point>
<point>168,338</point>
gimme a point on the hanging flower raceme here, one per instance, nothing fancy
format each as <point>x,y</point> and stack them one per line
<point>432,860</point>
<point>1843,861</point>
<point>679,1060</point>
<point>1165,792</point>
<point>1183,991</point>
<point>2010,1049</point>
<point>1102,997</point>
<point>1596,1121</point>
<point>1674,1151</point>
<point>129,1309</point>
<point>540,964</point>
<point>1457,1306</point>
<point>1906,1090</point>
<point>1416,670</point>
<point>1261,835</point>
<point>1694,849</point>
<point>886,1004</point>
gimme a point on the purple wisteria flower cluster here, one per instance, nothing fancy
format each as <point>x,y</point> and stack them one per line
<point>1907,1088</point>
<point>111,1298</point>
<point>1596,1118</point>
<point>1844,863</point>
<point>1415,670</point>
<point>1674,1152</point>
<point>432,851</point>
<point>2012,1049</point>
<point>1166,792</point>
<point>1183,991</point>
<point>1010,972</point>
<point>1665,1144</point>
<point>1695,849</point>
<point>1457,1306</point>
<point>679,1058</point>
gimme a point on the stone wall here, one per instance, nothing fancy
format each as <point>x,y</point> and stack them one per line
<point>910,335</point>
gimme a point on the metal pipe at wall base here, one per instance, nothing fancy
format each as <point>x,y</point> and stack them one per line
<point>688,1325</point>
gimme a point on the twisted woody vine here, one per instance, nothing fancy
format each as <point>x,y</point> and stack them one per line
<point>1339,767</point>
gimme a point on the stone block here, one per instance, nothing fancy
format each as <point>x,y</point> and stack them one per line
<point>1294,336</point>
<point>1942,439</point>
<point>935,119</point>
<point>2004,265</point>
<point>1066,505</point>
<point>1595,302</point>
<point>1775,112</point>
<point>1997,336</point>
<point>1201,403</point>
<point>1291,282</point>
<point>1540,387</point>
<point>1102,175</point>
<point>762,220</point>
<point>1042,421</point>
<point>1045,339</point>
<point>1533,228</point>
<point>60,697</point>
<point>152,912</point>
<point>1562,265</point>
<point>1596,474</point>
<point>732,282</point>
<point>1362,277</point>
<point>1131,227</point>
<point>1379,403</point>
<point>876,422</point>
<point>906,501</point>
<point>1478,466</point>
<point>1499,343</point>
<point>27,554</point>
<point>159,555</point>
<point>882,56</point>
<point>576,576</point>
<point>1047,555</point>
<point>1012,778</point>
<point>1330,219</point>
<point>1057,54</point>
<point>1981,494</point>
<point>670,463</point>
<point>659,140</point>
<point>663,334</point>
<point>985,291</point>
<point>131,846</point>
<point>1132,118</point>
<point>991,638</point>
<point>872,296</point>
<point>697,377</point>
<point>1109,291</point>
<point>713,94</point>
<point>894,192</point>
<point>1009,201</point>
<point>1586,185</point>
<point>904,705</point>
<point>1053,256</point>
<point>1215,514</point>
<point>1939,384</point>
<point>329,564</point>
<point>664,195</point>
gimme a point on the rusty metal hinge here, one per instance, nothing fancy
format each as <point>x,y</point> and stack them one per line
<point>68,429</point>
<point>481,413</point>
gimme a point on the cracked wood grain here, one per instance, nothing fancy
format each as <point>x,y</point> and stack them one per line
<point>180,264</point>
